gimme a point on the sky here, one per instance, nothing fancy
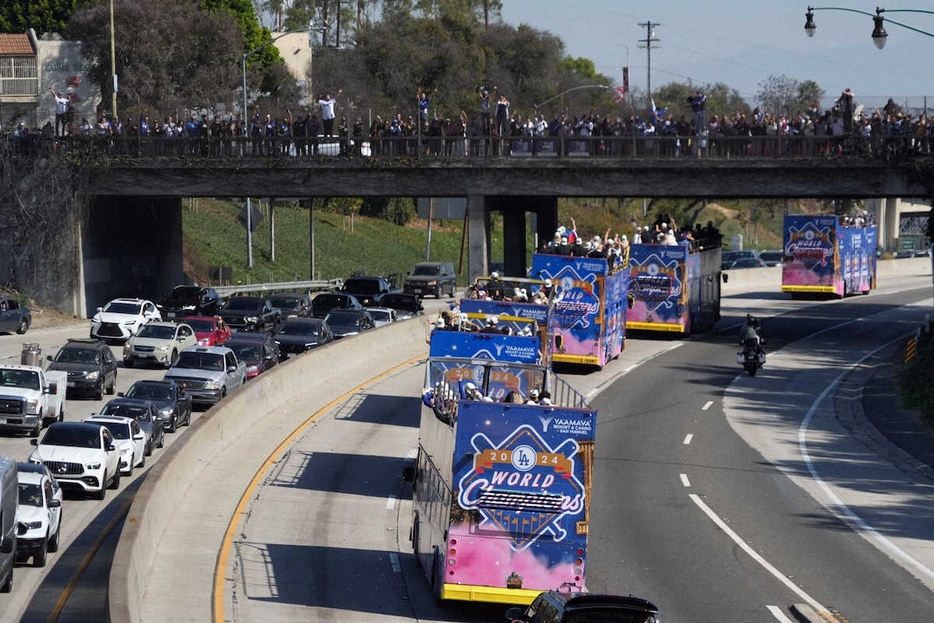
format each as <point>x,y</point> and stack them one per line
<point>742,43</point>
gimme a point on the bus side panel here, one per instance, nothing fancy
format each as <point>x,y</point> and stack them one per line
<point>431,495</point>
<point>616,288</point>
<point>521,483</point>
<point>659,289</point>
<point>858,257</point>
<point>579,325</point>
<point>499,347</point>
<point>812,257</point>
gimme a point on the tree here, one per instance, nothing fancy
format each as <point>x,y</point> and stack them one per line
<point>41,15</point>
<point>721,99</point>
<point>781,95</point>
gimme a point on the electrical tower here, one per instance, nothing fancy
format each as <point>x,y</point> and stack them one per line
<point>647,44</point>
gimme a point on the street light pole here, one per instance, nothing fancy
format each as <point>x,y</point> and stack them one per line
<point>113,63</point>
<point>879,35</point>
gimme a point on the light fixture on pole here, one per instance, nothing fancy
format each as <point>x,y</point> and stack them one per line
<point>879,35</point>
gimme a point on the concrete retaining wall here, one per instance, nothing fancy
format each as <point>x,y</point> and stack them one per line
<point>169,546</point>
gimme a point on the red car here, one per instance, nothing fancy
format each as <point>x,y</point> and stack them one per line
<point>210,330</point>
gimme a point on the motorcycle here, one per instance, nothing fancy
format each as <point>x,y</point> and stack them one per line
<point>752,357</point>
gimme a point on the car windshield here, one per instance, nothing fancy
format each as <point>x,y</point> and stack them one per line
<point>244,351</point>
<point>195,360</point>
<point>186,294</point>
<point>243,304</point>
<point>398,302</point>
<point>343,321</point>
<point>300,328</point>
<point>77,355</point>
<point>285,303</point>
<point>201,325</point>
<point>72,436</point>
<point>24,379</point>
<point>122,308</point>
<point>426,270</point>
<point>150,392</point>
<point>157,332</point>
<point>119,430</point>
<point>324,302</point>
<point>30,494</point>
<point>382,315</point>
<point>607,615</point>
<point>133,412</point>
<point>365,286</point>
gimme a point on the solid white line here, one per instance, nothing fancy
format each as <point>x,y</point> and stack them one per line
<point>688,438</point>
<point>391,502</point>
<point>707,405</point>
<point>755,555</point>
<point>778,614</point>
<point>394,561</point>
<point>685,481</point>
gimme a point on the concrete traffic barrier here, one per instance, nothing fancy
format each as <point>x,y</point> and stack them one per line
<point>168,549</point>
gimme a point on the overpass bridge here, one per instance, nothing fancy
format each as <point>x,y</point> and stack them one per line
<point>137,184</point>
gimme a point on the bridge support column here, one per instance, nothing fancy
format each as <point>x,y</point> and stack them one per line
<point>889,221</point>
<point>478,235</point>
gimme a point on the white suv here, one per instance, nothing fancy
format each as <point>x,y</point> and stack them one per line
<point>121,319</point>
<point>79,455</point>
<point>38,515</point>
<point>128,437</point>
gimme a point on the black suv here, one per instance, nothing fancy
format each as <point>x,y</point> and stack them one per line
<point>368,290</point>
<point>323,303</point>
<point>556,607</point>
<point>186,301</point>
<point>91,366</point>
<point>251,313</point>
<point>431,278</point>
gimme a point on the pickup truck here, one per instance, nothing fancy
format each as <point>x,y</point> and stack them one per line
<point>207,373</point>
<point>31,398</point>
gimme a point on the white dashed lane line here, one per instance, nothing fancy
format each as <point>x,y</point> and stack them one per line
<point>685,481</point>
<point>688,438</point>
<point>707,405</point>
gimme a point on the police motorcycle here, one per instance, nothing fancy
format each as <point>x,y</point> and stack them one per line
<point>752,357</point>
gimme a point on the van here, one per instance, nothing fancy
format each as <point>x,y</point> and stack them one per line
<point>9,498</point>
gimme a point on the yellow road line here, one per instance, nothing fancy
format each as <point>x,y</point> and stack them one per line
<point>88,557</point>
<point>224,554</point>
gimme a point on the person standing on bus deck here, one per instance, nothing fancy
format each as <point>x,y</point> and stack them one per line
<point>327,112</point>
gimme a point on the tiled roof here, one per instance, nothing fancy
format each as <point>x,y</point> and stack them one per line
<point>15,45</point>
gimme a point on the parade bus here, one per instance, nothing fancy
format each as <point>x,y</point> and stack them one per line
<point>589,307</point>
<point>674,289</point>
<point>501,490</point>
<point>828,254</point>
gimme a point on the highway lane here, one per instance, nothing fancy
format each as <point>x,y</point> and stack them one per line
<point>662,437</point>
<point>73,584</point>
<point>679,451</point>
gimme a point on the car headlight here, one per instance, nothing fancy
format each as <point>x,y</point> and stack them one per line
<point>163,348</point>
<point>432,283</point>
<point>93,466</point>
<point>32,525</point>
<point>35,460</point>
<point>212,385</point>
<point>32,407</point>
<point>253,319</point>
<point>127,347</point>
<point>92,375</point>
<point>130,322</point>
<point>253,368</point>
<point>166,412</point>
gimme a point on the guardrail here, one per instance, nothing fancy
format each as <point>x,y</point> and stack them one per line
<point>281,286</point>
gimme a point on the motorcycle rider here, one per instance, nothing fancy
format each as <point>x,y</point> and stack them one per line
<point>749,335</point>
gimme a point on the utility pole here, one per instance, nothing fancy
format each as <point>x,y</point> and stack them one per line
<point>647,44</point>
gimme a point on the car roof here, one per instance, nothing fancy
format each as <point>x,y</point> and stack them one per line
<point>582,601</point>
<point>127,300</point>
<point>35,468</point>
<point>83,342</point>
<point>109,419</point>
<point>78,425</point>
<point>163,323</point>
<point>153,382</point>
<point>247,336</point>
<point>133,402</point>
<point>217,350</point>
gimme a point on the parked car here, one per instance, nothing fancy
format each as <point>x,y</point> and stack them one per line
<point>406,305</point>
<point>121,319</point>
<point>298,335</point>
<point>158,342</point>
<point>291,304</point>
<point>208,373</point>
<point>13,316</point>
<point>81,455</point>
<point>748,262</point>
<point>347,322</point>
<point>186,301</point>
<point>727,258</point>
<point>129,439</point>
<point>259,351</point>
<point>209,330</point>
<point>170,399</point>
<point>556,607</point>
<point>367,290</point>
<point>431,278</point>
<point>322,304</point>
<point>38,514</point>
<point>91,366</point>
<point>772,257</point>
<point>250,313</point>
<point>145,413</point>
<point>382,315</point>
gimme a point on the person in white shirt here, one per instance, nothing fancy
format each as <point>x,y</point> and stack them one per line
<point>327,112</point>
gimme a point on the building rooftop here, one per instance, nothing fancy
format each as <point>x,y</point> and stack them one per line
<point>16,45</point>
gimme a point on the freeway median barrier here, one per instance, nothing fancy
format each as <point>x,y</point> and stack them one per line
<point>165,561</point>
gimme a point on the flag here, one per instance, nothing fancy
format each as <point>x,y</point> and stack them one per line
<point>620,95</point>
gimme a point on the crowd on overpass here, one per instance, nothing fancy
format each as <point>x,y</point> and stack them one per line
<point>495,129</point>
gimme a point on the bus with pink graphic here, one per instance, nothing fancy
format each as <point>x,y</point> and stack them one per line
<point>673,289</point>
<point>589,307</point>
<point>501,487</point>
<point>829,255</point>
